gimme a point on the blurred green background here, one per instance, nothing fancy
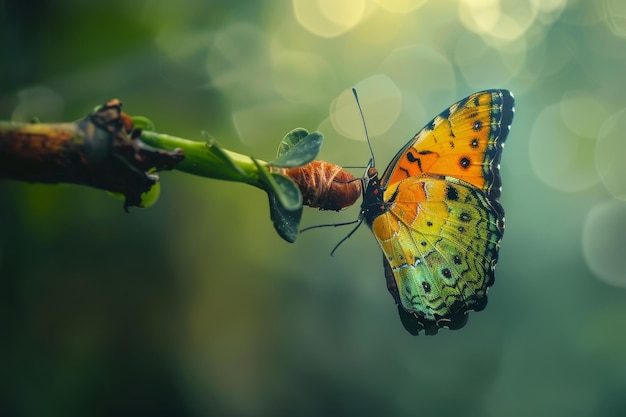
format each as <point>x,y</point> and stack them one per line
<point>196,307</point>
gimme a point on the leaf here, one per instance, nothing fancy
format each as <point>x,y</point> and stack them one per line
<point>298,147</point>
<point>148,198</point>
<point>285,202</point>
<point>292,138</point>
<point>143,123</point>
<point>287,192</point>
<point>286,222</point>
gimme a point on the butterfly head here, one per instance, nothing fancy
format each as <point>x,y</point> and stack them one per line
<point>369,173</point>
<point>373,204</point>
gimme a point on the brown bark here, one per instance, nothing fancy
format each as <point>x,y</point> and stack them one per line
<point>102,151</point>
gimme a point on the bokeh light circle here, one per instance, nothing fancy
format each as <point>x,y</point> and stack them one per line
<point>237,60</point>
<point>302,77</point>
<point>472,53</point>
<point>400,6</point>
<point>549,6</point>
<point>328,18</point>
<point>497,19</point>
<point>611,154</point>
<point>582,113</point>
<point>381,101</point>
<point>424,75</point>
<point>562,158</point>
<point>270,115</point>
<point>604,242</point>
<point>615,16</point>
<point>479,16</point>
<point>516,18</point>
<point>379,29</point>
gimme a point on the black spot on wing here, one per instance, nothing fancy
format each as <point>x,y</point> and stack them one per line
<point>412,159</point>
<point>452,193</point>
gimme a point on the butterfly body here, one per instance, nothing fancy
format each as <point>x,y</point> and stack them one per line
<point>436,216</point>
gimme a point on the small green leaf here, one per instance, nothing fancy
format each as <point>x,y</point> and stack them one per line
<point>298,147</point>
<point>285,189</point>
<point>286,222</point>
<point>292,138</point>
<point>148,199</point>
<point>143,123</point>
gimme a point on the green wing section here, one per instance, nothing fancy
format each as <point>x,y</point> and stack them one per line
<point>440,238</point>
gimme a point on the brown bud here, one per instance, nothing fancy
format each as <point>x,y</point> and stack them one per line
<point>324,185</point>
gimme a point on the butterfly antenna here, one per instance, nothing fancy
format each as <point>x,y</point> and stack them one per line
<point>328,225</point>
<point>367,136</point>
<point>360,222</point>
<point>354,167</point>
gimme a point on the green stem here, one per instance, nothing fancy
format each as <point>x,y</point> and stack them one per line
<point>208,159</point>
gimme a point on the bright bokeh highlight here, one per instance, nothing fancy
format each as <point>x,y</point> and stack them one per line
<point>328,18</point>
<point>400,6</point>
<point>611,154</point>
<point>381,102</point>
<point>562,158</point>
<point>604,242</point>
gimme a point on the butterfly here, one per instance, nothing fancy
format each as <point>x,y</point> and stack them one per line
<point>436,215</point>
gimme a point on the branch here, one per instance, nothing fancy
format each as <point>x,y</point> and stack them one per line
<point>113,151</point>
<point>99,151</point>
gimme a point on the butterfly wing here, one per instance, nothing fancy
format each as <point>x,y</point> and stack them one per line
<point>440,240</point>
<point>465,142</point>
<point>441,231</point>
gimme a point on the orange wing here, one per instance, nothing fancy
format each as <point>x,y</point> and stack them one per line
<point>464,142</point>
